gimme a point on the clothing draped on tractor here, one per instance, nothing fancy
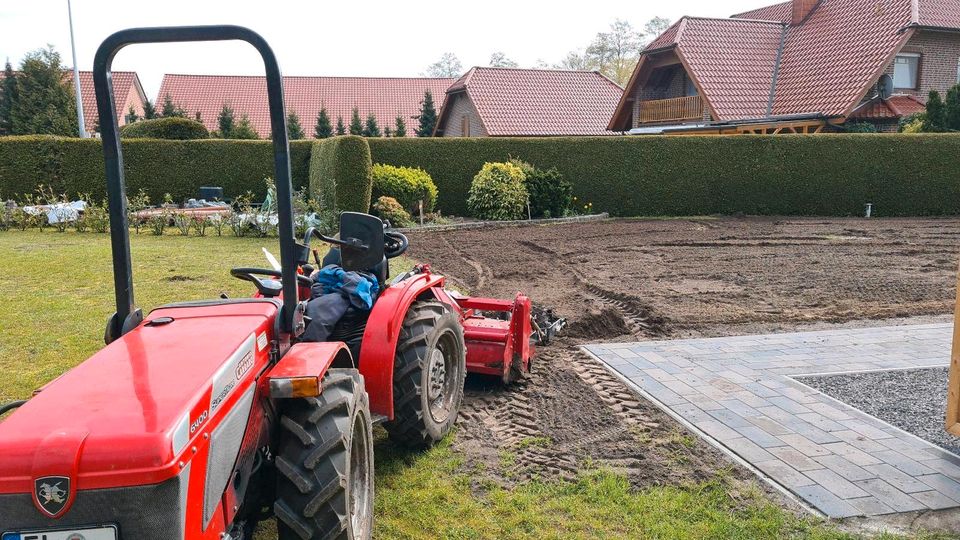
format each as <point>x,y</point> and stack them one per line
<point>333,294</point>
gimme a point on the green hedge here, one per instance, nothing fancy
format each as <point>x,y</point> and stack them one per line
<point>173,127</point>
<point>75,166</point>
<point>901,175</point>
<point>340,173</point>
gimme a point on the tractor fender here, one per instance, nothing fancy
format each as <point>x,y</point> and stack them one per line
<point>383,331</point>
<point>300,372</point>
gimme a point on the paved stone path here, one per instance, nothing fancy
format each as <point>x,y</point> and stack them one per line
<point>738,393</point>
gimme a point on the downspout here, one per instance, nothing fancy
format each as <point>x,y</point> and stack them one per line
<point>776,71</point>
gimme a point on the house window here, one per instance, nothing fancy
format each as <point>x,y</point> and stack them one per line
<point>691,88</point>
<point>906,71</point>
<point>465,126</point>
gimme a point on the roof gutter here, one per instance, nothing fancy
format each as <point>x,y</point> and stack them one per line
<point>776,70</point>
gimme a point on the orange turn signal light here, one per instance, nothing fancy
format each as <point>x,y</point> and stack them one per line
<point>294,387</point>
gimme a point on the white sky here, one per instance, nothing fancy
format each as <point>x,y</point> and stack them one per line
<point>333,37</point>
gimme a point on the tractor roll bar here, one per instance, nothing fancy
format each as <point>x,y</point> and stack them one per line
<point>128,316</point>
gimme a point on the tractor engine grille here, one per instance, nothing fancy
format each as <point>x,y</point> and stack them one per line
<point>152,512</point>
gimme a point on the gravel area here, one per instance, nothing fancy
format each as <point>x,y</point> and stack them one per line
<point>913,400</point>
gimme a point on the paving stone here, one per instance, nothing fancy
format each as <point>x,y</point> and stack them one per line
<point>941,483</point>
<point>836,484</point>
<point>760,437</point>
<point>804,445</point>
<point>748,450</point>
<point>903,463</point>
<point>934,500</point>
<point>870,506</point>
<point>827,502</point>
<point>739,391</point>
<point>898,479</point>
<point>796,459</point>
<point>845,468</point>
<point>854,455</point>
<point>891,496</point>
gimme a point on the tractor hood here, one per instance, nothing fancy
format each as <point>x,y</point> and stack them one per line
<point>132,413</point>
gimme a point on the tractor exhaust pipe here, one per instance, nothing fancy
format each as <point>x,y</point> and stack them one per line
<point>128,316</point>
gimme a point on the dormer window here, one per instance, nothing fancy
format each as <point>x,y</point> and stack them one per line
<point>906,71</point>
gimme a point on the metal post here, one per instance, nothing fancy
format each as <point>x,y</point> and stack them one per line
<point>76,76</point>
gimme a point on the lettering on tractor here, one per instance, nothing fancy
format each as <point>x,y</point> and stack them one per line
<point>218,414</point>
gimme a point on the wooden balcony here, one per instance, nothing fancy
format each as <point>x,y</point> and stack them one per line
<point>658,111</point>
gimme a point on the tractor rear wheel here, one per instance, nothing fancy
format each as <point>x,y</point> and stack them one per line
<point>325,463</point>
<point>428,374</point>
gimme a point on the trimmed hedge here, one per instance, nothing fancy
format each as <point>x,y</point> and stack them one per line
<point>902,175</point>
<point>340,173</point>
<point>174,127</point>
<point>74,166</point>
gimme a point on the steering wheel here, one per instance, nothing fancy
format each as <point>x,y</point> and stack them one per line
<point>267,287</point>
<point>395,244</point>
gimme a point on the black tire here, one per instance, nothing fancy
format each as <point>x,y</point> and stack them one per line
<point>324,463</point>
<point>428,374</point>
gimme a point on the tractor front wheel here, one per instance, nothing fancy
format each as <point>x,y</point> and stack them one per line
<point>429,371</point>
<point>324,463</point>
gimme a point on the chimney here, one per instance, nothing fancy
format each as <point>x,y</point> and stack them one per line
<point>802,8</point>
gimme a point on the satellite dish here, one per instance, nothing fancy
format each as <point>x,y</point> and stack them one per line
<point>885,87</point>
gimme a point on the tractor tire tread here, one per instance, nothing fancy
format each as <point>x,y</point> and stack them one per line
<point>408,427</point>
<point>314,450</point>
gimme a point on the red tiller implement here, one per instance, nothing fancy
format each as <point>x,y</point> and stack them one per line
<point>200,419</point>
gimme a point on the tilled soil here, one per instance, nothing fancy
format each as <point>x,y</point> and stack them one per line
<point>629,280</point>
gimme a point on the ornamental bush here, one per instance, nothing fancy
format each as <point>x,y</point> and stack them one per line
<point>174,127</point>
<point>340,176</point>
<point>550,194</point>
<point>388,209</point>
<point>408,185</point>
<point>498,192</point>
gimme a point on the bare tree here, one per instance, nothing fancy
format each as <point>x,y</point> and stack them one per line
<point>499,59</point>
<point>447,66</point>
<point>655,27</point>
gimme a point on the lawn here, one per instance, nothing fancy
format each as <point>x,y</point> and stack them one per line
<point>59,295</point>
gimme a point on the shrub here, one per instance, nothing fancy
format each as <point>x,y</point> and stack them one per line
<point>497,192</point>
<point>912,123</point>
<point>155,166</point>
<point>175,127</point>
<point>825,175</point>
<point>340,174</point>
<point>389,209</point>
<point>407,185</point>
<point>861,127</point>
<point>550,194</point>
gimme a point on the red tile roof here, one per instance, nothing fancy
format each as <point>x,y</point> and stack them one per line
<point>539,102</point>
<point>841,48</point>
<point>385,97</point>
<point>826,64</point>
<point>733,61</point>
<point>939,13</point>
<point>894,107</point>
<point>778,12</point>
<point>123,81</point>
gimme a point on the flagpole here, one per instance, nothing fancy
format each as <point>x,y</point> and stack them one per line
<point>76,76</point>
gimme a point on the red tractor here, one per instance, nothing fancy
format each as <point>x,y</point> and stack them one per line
<point>200,419</point>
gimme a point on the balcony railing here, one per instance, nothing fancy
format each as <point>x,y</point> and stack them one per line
<point>671,110</point>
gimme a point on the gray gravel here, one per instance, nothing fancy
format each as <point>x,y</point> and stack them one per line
<point>913,400</point>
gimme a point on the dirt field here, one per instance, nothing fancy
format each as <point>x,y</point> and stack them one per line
<point>661,279</point>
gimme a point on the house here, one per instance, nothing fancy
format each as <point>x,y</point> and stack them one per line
<point>127,93</point>
<point>385,97</point>
<point>801,66</point>
<point>509,102</point>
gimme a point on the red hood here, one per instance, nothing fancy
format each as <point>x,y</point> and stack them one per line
<point>124,410</point>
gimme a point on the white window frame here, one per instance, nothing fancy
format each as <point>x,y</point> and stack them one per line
<point>958,70</point>
<point>919,59</point>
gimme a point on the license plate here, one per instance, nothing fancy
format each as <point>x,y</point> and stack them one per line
<point>97,533</point>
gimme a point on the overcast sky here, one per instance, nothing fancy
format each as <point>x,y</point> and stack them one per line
<point>362,38</point>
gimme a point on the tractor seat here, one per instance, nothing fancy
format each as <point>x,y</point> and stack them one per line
<point>381,271</point>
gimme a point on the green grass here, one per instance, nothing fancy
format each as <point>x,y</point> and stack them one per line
<point>58,295</point>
